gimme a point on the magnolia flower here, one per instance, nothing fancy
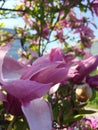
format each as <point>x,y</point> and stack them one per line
<point>60,35</point>
<point>64,23</point>
<point>87,123</point>
<point>45,31</point>
<point>86,34</point>
<point>27,84</point>
<point>91,122</point>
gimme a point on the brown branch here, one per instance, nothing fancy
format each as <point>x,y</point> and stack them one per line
<point>14,10</point>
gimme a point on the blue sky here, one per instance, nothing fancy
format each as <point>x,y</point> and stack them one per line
<point>10,23</point>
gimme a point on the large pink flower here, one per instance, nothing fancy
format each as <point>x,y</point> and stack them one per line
<point>26,85</point>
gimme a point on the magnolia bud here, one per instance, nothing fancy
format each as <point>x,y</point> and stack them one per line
<point>83,93</point>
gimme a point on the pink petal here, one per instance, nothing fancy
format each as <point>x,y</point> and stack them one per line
<point>11,69</point>
<point>3,50</point>
<point>51,75</point>
<point>46,63</point>
<point>56,55</point>
<point>85,67</point>
<point>12,105</point>
<point>40,67</point>
<point>38,115</point>
<point>26,90</point>
<point>52,60</point>
<point>54,88</point>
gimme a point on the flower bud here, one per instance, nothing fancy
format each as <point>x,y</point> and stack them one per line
<point>83,93</point>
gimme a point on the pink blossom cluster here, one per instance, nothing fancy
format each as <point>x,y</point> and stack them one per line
<point>86,124</point>
<point>78,25</point>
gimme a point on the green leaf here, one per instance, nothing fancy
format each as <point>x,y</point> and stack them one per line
<point>20,125</point>
<point>72,119</point>
<point>83,8</point>
<point>33,47</point>
<point>76,118</point>
<point>87,111</point>
<point>94,73</point>
<point>55,112</point>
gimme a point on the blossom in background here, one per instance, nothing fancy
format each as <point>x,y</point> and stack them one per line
<point>74,22</point>
<point>87,123</point>
<point>94,6</point>
<point>91,122</point>
<point>86,34</point>
<point>64,23</point>
<point>60,35</point>
<point>45,32</point>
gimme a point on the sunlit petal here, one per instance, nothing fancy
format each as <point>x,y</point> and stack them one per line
<point>38,115</point>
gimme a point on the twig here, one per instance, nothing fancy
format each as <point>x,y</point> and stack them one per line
<point>15,10</point>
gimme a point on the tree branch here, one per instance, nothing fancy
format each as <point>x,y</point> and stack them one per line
<point>14,10</point>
